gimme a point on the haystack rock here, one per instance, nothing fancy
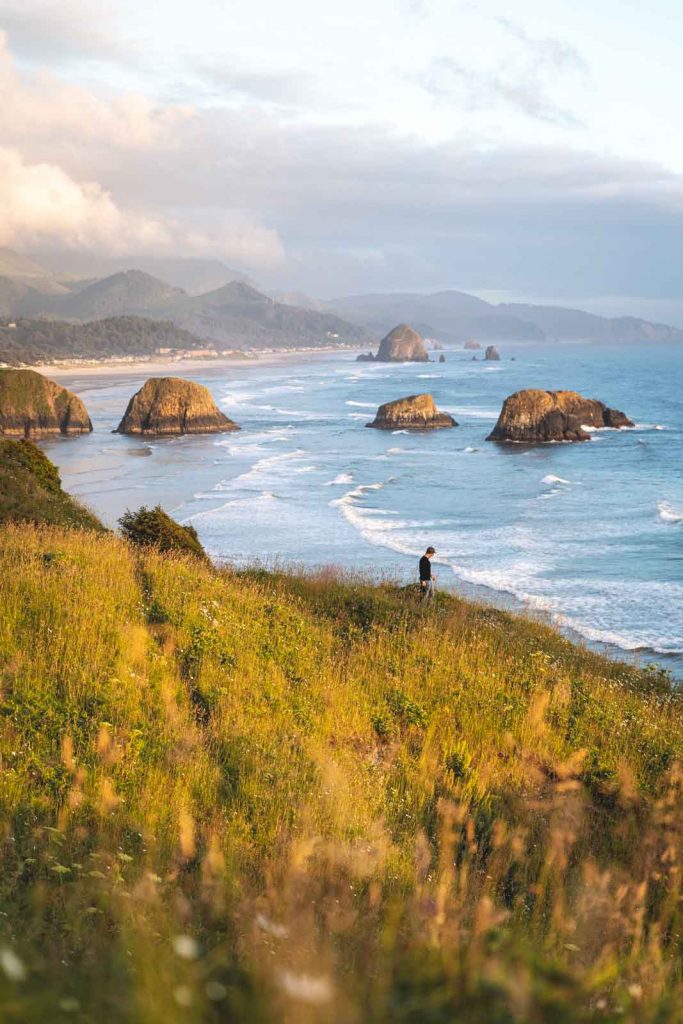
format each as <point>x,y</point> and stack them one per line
<point>537,417</point>
<point>492,353</point>
<point>442,358</point>
<point>402,345</point>
<point>472,346</point>
<point>416,412</point>
<point>33,406</point>
<point>170,405</point>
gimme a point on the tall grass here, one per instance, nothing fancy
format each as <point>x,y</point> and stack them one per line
<point>263,797</point>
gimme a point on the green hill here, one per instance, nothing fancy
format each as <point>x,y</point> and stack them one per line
<point>31,491</point>
<point>260,797</point>
<point>44,341</point>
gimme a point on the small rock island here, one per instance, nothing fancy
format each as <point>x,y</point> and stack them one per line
<point>492,354</point>
<point>401,345</point>
<point>416,412</point>
<point>539,417</point>
<point>472,346</point>
<point>34,406</point>
<point>166,406</point>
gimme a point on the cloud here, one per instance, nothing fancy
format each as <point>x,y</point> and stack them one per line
<point>40,205</point>
<point>524,79</point>
<point>62,29</point>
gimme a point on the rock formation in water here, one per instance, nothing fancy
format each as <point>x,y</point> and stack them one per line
<point>402,345</point>
<point>472,346</point>
<point>537,417</point>
<point>416,412</point>
<point>170,405</point>
<point>33,406</point>
<point>492,353</point>
<point>442,358</point>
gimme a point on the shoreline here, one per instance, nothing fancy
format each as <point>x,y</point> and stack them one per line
<point>154,364</point>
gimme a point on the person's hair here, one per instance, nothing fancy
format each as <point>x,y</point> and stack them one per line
<point>430,551</point>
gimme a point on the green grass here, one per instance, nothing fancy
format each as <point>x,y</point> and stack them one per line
<point>263,797</point>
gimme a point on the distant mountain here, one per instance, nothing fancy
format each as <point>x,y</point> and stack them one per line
<point>43,341</point>
<point>235,316</point>
<point>449,316</point>
<point>193,275</point>
<point>129,293</point>
<point>15,264</point>
<point>560,324</point>
<point>239,315</point>
<point>455,316</point>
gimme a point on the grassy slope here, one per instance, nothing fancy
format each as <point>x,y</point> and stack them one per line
<point>30,489</point>
<point>267,798</point>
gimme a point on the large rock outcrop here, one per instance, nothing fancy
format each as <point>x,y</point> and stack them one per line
<point>170,405</point>
<point>416,412</point>
<point>537,417</point>
<point>34,406</point>
<point>492,354</point>
<point>402,345</point>
<point>472,346</point>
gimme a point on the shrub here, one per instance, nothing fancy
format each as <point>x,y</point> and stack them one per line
<point>152,527</point>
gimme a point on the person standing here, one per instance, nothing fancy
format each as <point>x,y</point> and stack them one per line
<point>427,577</point>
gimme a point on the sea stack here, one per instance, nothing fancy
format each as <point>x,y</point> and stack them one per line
<point>472,346</point>
<point>416,412</point>
<point>538,417</point>
<point>166,406</point>
<point>34,406</point>
<point>442,358</point>
<point>401,345</point>
<point>492,354</point>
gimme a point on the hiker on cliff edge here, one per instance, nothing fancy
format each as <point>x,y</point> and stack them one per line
<point>427,577</point>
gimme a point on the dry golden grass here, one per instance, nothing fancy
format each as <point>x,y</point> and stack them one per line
<point>263,797</point>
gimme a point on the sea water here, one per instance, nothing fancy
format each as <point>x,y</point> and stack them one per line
<point>591,534</point>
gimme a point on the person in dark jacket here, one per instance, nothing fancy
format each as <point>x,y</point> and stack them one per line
<point>427,577</point>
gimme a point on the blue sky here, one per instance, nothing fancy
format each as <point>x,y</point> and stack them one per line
<point>378,145</point>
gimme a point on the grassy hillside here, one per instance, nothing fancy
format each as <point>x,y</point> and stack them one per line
<point>31,491</point>
<point>258,797</point>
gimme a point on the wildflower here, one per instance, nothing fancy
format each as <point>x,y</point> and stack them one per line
<point>69,1005</point>
<point>182,995</point>
<point>278,931</point>
<point>308,989</point>
<point>186,947</point>
<point>12,965</point>
<point>215,991</point>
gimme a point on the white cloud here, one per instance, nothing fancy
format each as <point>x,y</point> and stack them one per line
<point>40,205</point>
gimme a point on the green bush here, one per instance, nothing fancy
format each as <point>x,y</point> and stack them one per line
<point>152,527</point>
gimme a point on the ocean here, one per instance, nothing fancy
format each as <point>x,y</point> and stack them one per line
<point>589,535</point>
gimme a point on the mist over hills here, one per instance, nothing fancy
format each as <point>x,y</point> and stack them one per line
<point>235,314</point>
<point>454,316</point>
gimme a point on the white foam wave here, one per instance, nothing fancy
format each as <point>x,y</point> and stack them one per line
<point>552,479</point>
<point>470,449</point>
<point>341,478</point>
<point>668,513</point>
<point>473,412</point>
<point>362,405</point>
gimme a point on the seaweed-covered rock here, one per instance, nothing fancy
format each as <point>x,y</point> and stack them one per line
<point>401,345</point>
<point>170,405</point>
<point>416,412</point>
<point>34,406</point>
<point>537,417</point>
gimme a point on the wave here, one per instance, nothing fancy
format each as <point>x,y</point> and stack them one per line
<point>552,479</point>
<point>341,478</point>
<point>362,405</point>
<point>471,449</point>
<point>668,513</point>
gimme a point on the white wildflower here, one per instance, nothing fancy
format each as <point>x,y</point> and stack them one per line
<point>185,947</point>
<point>308,989</point>
<point>12,965</point>
<point>278,931</point>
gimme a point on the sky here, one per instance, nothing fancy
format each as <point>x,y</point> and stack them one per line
<point>378,145</point>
